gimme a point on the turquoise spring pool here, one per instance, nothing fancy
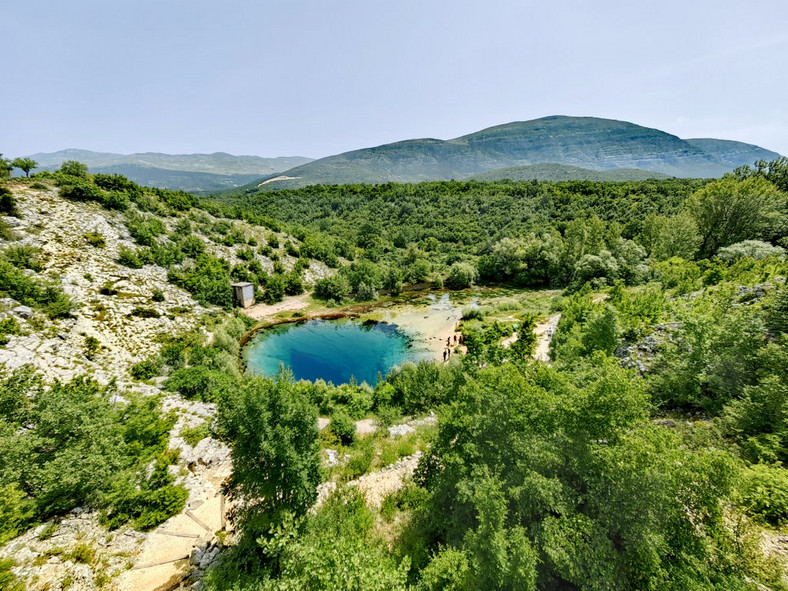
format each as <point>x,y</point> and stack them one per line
<point>332,350</point>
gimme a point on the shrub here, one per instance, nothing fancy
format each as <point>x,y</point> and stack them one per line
<point>192,246</point>
<point>274,289</point>
<point>146,369</point>
<point>95,239</point>
<point>335,287</point>
<point>8,203</point>
<point>24,257</point>
<point>343,428</point>
<point>193,435</point>
<point>129,258</point>
<point>293,284</point>
<point>461,276</point>
<point>245,254</point>
<point>472,314</point>
<point>208,280</point>
<point>291,249</point>
<point>28,291</point>
<point>754,249</point>
<point>145,229</point>
<point>140,312</point>
<point>360,460</point>
<point>157,295</point>
<point>764,493</point>
<point>81,190</point>
<point>116,182</point>
<point>366,292</point>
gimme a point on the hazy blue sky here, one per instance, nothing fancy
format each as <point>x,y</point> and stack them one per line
<point>317,77</point>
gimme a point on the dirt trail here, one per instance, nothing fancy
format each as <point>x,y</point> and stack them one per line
<point>289,304</point>
<point>544,331</point>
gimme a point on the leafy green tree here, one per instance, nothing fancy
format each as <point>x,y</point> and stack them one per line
<point>729,211</point>
<point>335,287</point>
<point>665,237</point>
<point>774,171</point>
<point>562,482</point>
<point>461,276</point>
<point>5,167</point>
<point>24,164</point>
<point>338,549</point>
<point>74,168</point>
<point>272,431</point>
<point>602,331</point>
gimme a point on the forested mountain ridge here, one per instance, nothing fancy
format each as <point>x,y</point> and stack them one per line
<point>587,142</point>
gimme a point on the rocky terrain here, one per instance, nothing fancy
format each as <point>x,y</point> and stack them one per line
<point>103,339</point>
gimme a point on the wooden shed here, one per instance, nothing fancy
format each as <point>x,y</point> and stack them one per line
<point>244,293</point>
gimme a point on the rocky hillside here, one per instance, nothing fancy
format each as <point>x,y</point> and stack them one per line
<point>119,317</point>
<point>587,142</point>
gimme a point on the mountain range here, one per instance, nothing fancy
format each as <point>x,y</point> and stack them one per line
<point>187,172</point>
<point>550,148</point>
<point>502,151</point>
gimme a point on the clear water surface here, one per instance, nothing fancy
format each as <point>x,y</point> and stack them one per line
<point>332,350</point>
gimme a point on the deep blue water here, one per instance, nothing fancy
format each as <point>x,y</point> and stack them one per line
<point>332,350</point>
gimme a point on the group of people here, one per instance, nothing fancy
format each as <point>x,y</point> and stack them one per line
<point>458,340</point>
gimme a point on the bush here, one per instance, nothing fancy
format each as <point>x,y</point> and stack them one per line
<point>293,284</point>
<point>208,280</point>
<point>116,200</point>
<point>199,383</point>
<point>145,229</point>
<point>146,369</point>
<point>192,246</point>
<point>95,239</point>
<point>129,258</point>
<point>193,435</point>
<point>335,287</point>
<point>343,428</point>
<point>81,190</point>
<point>754,249</point>
<point>764,493</point>
<point>472,314</point>
<point>31,292</point>
<point>140,312</point>
<point>24,257</point>
<point>8,203</point>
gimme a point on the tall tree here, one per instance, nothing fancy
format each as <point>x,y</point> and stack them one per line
<point>730,210</point>
<point>272,430</point>
<point>24,164</point>
<point>5,167</point>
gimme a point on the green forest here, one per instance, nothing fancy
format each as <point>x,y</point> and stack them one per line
<point>650,454</point>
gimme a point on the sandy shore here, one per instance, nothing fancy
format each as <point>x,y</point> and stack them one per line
<point>433,325</point>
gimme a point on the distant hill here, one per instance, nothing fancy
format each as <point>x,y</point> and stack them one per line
<point>188,172</point>
<point>550,171</point>
<point>732,153</point>
<point>587,142</point>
